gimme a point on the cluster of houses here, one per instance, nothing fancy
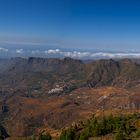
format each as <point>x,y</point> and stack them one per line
<point>63,88</point>
<point>58,89</point>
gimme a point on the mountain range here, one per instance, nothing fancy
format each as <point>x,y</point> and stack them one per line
<point>48,94</point>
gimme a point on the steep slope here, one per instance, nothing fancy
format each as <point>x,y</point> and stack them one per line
<point>103,73</point>
<point>122,73</point>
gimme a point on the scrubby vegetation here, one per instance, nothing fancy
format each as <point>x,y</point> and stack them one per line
<point>42,136</point>
<point>46,136</point>
<point>120,128</point>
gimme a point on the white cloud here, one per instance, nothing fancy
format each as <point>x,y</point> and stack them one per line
<point>19,51</point>
<point>56,51</point>
<point>116,55</point>
<point>73,54</point>
<point>3,50</point>
<point>78,54</point>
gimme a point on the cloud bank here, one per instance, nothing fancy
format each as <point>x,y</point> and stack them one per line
<point>73,54</point>
<point>78,54</point>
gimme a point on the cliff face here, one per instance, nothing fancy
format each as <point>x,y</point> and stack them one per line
<point>123,73</point>
<point>104,72</point>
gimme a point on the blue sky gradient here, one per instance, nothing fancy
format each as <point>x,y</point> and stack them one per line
<point>95,25</point>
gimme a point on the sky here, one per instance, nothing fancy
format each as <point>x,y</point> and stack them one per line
<point>75,28</point>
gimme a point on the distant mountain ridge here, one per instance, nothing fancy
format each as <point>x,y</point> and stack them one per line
<point>122,73</point>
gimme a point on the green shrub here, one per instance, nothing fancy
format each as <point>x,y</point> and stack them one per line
<point>119,135</point>
<point>45,136</point>
<point>138,132</point>
<point>84,134</point>
<point>123,126</point>
<point>68,134</point>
